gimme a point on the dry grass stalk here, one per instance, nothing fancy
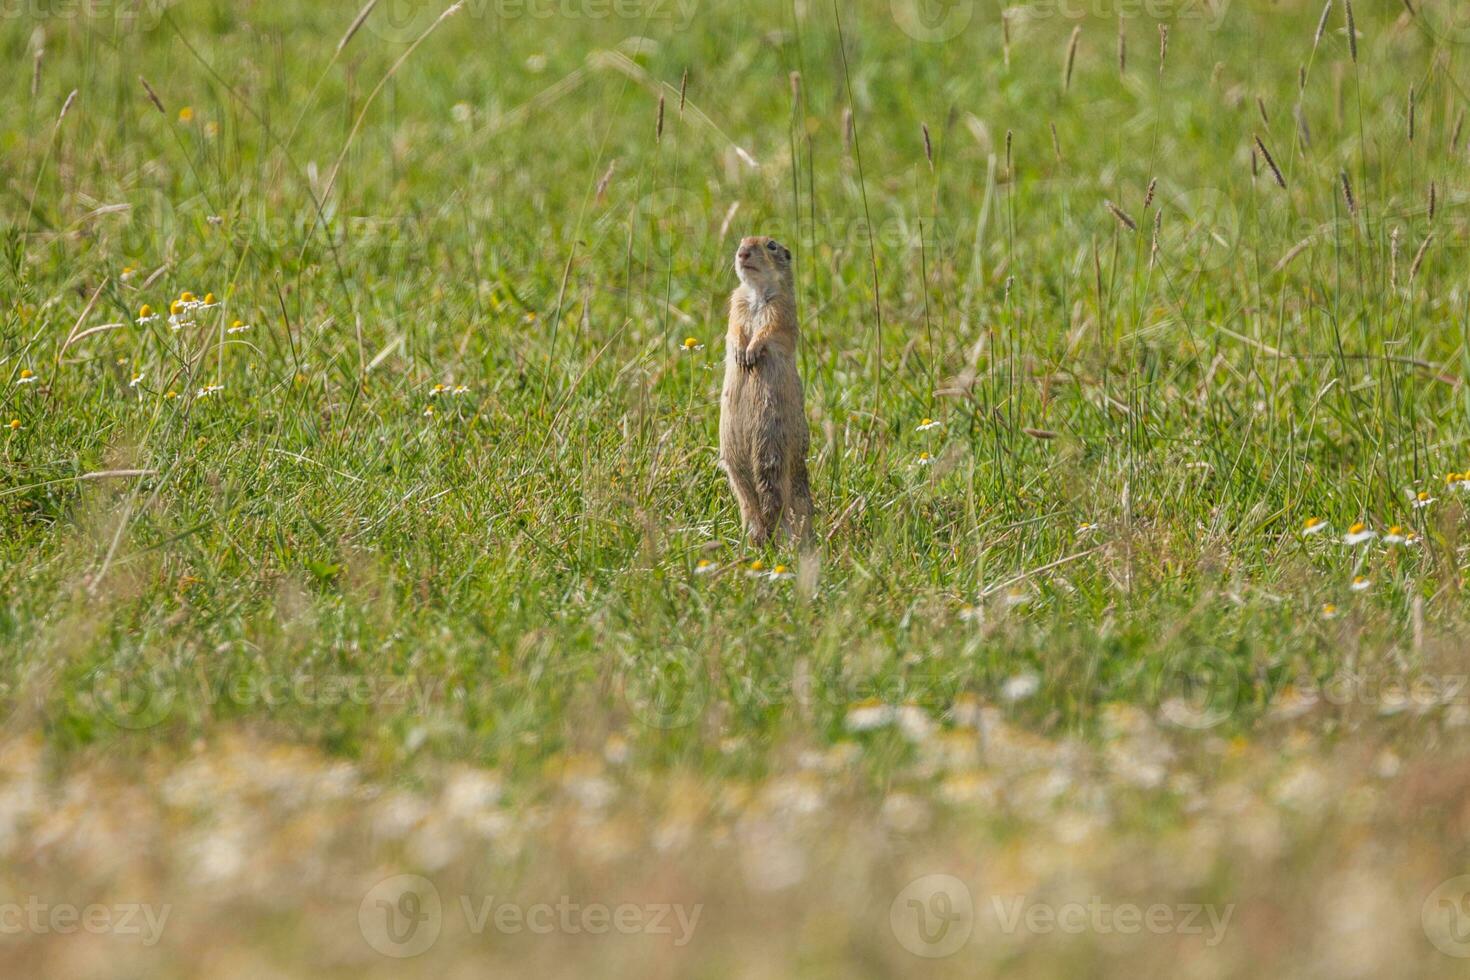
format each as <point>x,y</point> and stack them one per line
<point>1270,162</point>
<point>1123,217</point>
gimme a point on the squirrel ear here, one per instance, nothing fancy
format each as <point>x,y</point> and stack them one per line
<point>788,253</point>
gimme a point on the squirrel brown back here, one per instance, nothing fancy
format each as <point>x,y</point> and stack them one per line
<point>763,431</point>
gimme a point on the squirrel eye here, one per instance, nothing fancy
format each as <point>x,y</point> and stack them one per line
<point>772,246</point>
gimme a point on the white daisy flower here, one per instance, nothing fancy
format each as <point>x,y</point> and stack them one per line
<point>929,424</point>
<point>208,390</point>
<point>27,377</point>
<point>1020,687</point>
<point>1359,533</point>
<point>239,326</point>
<point>914,722</point>
<point>925,460</point>
<point>1421,499</point>
<point>1395,535</point>
<point>868,715</point>
<point>1314,525</point>
<point>1361,584</point>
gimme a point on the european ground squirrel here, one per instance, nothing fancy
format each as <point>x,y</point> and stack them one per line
<point>763,433</point>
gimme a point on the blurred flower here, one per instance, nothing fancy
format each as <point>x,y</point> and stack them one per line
<point>14,424</point>
<point>705,567</point>
<point>1086,528</point>
<point>239,326</point>
<point>136,378</point>
<point>1314,525</point>
<point>928,424</point>
<point>27,377</point>
<point>868,715</point>
<point>925,460</point>
<point>1020,687</point>
<point>1358,533</point>
<point>171,395</point>
<point>1395,535</point>
<point>780,572</point>
<point>1362,584</point>
<point>208,390</point>
<point>692,344</point>
<point>1329,610</point>
<point>186,115</point>
<point>438,390</point>
<point>127,273</point>
<point>914,722</point>
<point>146,314</point>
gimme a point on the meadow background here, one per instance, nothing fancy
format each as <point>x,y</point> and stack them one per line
<point>402,570</point>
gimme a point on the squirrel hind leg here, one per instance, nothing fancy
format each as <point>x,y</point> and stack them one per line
<point>799,513</point>
<point>771,488</point>
<point>749,503</point>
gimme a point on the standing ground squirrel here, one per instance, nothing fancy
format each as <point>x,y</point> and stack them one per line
<point>763,434</point>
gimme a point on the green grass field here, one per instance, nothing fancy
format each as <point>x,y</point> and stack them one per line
<point>385,613</point>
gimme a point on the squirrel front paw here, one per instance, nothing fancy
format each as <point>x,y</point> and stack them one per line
<point>748,358</point>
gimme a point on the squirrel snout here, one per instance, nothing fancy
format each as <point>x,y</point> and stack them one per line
<point>745,252</point>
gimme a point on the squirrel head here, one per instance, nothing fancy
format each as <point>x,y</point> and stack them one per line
<point>764,265</point>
